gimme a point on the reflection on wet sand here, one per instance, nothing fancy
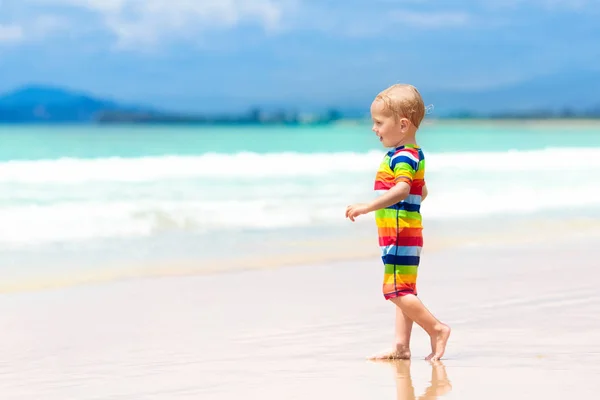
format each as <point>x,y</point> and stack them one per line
<point>439,384</point>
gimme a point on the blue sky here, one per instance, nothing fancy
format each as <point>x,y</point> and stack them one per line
<point>220,54</point>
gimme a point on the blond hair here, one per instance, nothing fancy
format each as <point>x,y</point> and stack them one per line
<point>403,101</point>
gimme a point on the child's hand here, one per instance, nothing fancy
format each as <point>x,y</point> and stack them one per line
<point>355,210</point>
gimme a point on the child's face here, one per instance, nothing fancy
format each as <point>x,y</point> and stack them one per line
<point>391,131</point>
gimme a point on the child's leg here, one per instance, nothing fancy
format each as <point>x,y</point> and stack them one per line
<point>403,331</point>
<point>401,348</point>
<point>439,333</point>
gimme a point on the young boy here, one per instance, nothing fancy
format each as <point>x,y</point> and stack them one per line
<point>397,113</point>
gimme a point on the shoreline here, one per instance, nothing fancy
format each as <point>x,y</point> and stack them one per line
<point>509,121</point>
<point>344,245</point>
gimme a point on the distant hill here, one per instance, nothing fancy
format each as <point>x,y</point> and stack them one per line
<point>45,104</point>
<point>51,104</point>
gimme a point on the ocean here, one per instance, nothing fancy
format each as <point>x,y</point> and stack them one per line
<point>81,203</point>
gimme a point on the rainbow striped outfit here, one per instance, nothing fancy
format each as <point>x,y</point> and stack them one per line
<point>399,226</point>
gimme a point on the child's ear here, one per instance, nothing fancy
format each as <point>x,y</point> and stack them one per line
<point>404,124</point>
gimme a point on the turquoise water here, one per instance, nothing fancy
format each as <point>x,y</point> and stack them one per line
<point>43,142</point>
<point>87,196</point>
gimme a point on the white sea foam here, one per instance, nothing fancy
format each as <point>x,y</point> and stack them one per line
<point>78,199</point>
<point>254,165</point>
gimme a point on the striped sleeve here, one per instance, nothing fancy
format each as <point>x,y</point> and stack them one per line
<point>404,164</point>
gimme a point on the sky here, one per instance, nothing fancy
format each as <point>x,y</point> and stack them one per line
<point>227,54</point>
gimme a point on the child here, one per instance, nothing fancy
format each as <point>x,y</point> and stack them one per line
<point>397,113</point>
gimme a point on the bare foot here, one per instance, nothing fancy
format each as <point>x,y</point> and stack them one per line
<point>438,342</point>
<point>430,356</point>
<point>400,353</point>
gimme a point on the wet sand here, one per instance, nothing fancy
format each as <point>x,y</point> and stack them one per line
<point>525,326</point>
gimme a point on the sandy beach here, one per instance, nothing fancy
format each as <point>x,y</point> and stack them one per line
<point>525,326</point>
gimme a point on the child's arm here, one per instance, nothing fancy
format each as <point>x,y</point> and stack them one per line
<point>396,194</point>
<point>399,192</point>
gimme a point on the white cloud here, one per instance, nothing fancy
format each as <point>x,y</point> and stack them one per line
<point>377,21</point>
<point>432,20</point>
<point>11,33</point>
<point>46,24</point>
<point>145,22</point>
<point>32,28</point>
